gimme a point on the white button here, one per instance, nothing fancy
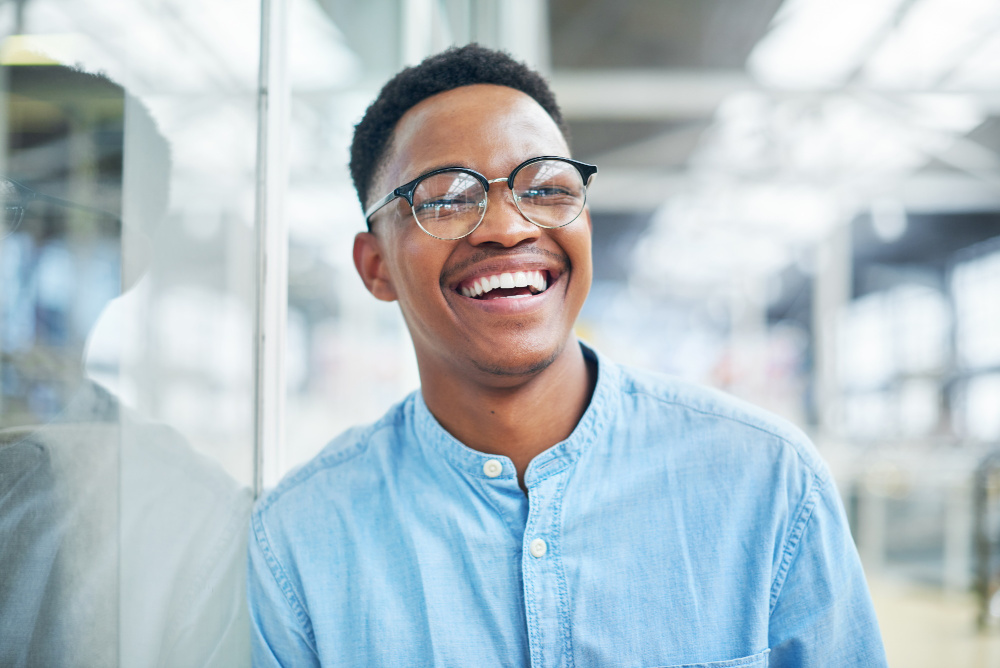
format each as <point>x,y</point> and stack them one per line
<point>492,468</point>
<point>538,548</point>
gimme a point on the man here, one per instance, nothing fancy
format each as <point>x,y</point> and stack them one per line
<point>535,504</point>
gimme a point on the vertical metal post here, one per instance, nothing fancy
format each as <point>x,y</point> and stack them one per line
<point>983,490</point>
<point>831,293</point>
<point>4,132</point>
<point>273,101</point>
<point>872,523</point>
<point>959,532</point>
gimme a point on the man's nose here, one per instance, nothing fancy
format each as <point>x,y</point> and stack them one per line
<point>503,224</point>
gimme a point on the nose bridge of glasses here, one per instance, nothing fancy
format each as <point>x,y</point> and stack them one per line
<point>500,220</point>
<point>513,197</point>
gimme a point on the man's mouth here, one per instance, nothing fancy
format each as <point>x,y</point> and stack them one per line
<point>505,285</point>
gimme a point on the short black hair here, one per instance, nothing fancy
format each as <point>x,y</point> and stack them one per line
<point>453,68</point>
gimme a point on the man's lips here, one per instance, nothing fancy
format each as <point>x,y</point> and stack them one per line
<point>492,274</point>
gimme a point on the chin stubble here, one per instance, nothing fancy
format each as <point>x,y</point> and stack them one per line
<point>498,370</point>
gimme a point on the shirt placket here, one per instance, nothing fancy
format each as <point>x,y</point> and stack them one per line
<point>545,592</point>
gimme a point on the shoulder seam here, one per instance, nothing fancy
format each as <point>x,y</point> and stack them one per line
<point>281,579</point>
<point>808,464</point>
<point>794,539</point>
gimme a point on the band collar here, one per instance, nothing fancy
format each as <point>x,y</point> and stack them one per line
<point>591,426</point>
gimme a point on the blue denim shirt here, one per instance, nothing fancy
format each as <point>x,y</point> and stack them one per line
<point>674,527</point>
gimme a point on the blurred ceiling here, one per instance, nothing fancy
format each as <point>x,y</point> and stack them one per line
<point>658,34</point>
<point>769,123</point>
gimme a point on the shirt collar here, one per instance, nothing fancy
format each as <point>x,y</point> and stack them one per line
<point>549,462</point>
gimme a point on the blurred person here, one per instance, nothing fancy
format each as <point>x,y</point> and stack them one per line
<point>119,544</point>
<point>535,503</point>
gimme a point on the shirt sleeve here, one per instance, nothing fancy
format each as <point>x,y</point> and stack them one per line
<point>279,627</point>
<point>822,613</point>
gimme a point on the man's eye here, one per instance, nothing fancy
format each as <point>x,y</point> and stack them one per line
<point>552,194</point>
<point>546,191</point>
<point>443,206</point>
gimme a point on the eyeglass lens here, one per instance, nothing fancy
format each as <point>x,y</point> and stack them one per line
<point>449,205</point>
<point>550,193</point>
<point>12,206</point>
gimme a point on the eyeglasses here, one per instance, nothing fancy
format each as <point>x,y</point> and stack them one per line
<point>450,203</point>
<point>15,198</point>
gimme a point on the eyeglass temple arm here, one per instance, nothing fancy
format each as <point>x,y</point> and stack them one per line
<point>378,205</point>
<point>64,203</point>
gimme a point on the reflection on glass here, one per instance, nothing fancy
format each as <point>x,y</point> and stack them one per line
<point>120,542</point>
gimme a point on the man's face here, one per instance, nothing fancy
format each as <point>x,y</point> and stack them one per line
<point>490,129</point>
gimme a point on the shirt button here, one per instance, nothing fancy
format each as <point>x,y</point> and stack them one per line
<point>492,468</point>
<point>538,548</point>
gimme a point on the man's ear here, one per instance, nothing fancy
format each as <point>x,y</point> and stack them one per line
<point>370,263</point>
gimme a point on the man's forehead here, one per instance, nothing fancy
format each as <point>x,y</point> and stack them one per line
<point>464,98</point>
<point>456,124</point>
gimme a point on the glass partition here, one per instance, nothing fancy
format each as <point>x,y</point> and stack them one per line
<point>126,302</point>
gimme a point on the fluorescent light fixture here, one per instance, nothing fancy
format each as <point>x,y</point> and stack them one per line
<point>955,113</point>
<point>823,141</point>
<point>980,71</point>
<point>819,44</point>
<point>932,39</point>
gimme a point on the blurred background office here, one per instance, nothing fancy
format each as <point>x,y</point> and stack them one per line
<point>798,202</point>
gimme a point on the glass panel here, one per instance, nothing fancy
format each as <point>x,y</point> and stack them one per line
<point>126,302</point>
<point>348,355</point>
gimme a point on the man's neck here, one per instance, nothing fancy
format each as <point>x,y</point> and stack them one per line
<point>518,421</point>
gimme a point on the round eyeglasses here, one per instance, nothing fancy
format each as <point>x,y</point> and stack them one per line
<point>450,203</point>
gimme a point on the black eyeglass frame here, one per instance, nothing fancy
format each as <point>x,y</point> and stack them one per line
<point>407,189</point>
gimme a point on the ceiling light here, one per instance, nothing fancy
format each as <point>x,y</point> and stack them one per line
<point>933,38</point>
<point>819,44</point>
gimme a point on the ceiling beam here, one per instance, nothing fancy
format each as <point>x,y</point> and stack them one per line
<point>927,191</point>
<point>663,95</point>
<point>645,94</point>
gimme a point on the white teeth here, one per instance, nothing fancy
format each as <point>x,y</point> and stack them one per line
<point>519,279</point>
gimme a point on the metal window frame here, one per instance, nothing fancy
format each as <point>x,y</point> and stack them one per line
<point>271,308</point>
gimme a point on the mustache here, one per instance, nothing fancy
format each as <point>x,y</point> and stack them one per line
<point>487,254</point>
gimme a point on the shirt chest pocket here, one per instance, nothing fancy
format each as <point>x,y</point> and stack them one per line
<point>755,661</point>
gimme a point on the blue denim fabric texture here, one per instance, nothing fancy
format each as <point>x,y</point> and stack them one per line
<point>680,528</point>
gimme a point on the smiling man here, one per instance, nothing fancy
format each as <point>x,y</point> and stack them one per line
<point>534,503</point>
